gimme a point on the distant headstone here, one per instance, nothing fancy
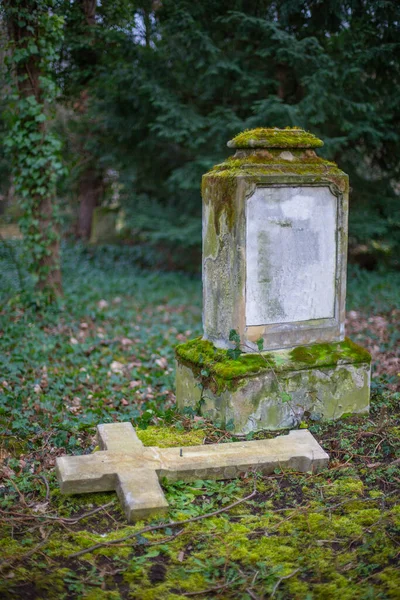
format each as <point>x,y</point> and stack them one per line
<point>104,225</point>
<point>274,278</point>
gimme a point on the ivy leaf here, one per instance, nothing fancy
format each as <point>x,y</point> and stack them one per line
<point>234,336</point>
<point>285,397</point>
<point>234,353</point>
<point>260,344</point>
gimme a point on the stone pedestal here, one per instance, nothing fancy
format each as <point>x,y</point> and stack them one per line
<point>273,390</point>
<point>274,279</point>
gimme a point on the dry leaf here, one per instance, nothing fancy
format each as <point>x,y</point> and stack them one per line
<point>117,367</point>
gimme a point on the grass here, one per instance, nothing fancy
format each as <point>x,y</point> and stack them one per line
<point>107,354</point>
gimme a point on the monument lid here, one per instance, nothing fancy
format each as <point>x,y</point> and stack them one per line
<point>291,137</point>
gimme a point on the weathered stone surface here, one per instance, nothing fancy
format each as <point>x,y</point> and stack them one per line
<point>324,380</point>
<point>274,277</point>
<point>274,246</point>
<point>133,470</point>
<point>290,255</point>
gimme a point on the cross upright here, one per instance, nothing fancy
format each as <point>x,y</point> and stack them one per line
<point>133,470</point>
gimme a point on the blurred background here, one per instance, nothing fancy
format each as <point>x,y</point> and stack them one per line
<point>149,92</point>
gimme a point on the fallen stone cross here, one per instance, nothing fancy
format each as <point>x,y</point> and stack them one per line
<point>123,464</point>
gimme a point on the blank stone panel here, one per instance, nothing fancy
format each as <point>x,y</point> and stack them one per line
<point>291,235</point>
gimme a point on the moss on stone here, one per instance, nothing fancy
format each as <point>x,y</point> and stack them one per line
<point>217,370</point>
<point>317,171</point>
<point>330,354</point>
<point>291,137</point>
<point>220,193</point>
<point>254,163</point>
<point>165,437</point>
<point>214,366</point>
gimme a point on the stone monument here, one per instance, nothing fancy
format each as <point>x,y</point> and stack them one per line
<point>274,285</point>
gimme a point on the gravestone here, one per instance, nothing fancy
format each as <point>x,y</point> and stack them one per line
<point>274,286</point>
<point>104,225</point>
<point>123,464</point>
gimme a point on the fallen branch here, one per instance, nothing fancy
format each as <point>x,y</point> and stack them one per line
<point>394,463</point>
<point>278,583</point>
<point>163,526</point>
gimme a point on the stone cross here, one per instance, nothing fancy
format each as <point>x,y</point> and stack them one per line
<point>123,464</point>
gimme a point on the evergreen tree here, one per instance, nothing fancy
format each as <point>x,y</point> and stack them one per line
<point>211,69</point>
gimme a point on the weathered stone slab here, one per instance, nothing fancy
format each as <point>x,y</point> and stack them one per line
<point>133,470</point>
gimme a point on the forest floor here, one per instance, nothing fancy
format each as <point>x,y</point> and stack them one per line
<point>106,354</point>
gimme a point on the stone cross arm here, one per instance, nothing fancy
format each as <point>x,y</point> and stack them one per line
<point>123,464</point>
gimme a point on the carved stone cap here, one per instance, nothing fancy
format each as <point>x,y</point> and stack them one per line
<point>291,137</point>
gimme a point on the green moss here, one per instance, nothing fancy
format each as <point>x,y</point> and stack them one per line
<point>219,372</point>
<point>345,486</point>
<point>291,137</point>
<point>165,437</point>
<point>216,368</point>
<point>317,171</point>
<point>330,354</point>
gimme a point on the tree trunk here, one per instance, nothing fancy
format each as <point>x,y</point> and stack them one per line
<point>90,191</point>
<point>27,77</point>
<point>90,185</point>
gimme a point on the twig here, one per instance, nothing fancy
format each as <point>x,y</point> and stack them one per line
<point>252,594</point>
<point>21,496</point>
<point>162,541</point>
<point>7,563</point>
<point>69,520</point>
<point>46,483</point>
<point>382,464</point>
<point>278,583</point>
<point>163,526</point>
<point>213,589</point>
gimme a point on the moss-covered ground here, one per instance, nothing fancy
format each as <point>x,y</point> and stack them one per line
<point>107,354</point>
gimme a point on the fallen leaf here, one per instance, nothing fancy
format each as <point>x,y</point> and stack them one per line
<point>135,383</point>
<point>117,367</point>
<point>162,362</point>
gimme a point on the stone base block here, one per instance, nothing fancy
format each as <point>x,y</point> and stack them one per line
<point>274,390</point>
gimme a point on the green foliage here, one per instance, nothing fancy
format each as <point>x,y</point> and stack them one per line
<point>212,70</point>
<point>34,150</point>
